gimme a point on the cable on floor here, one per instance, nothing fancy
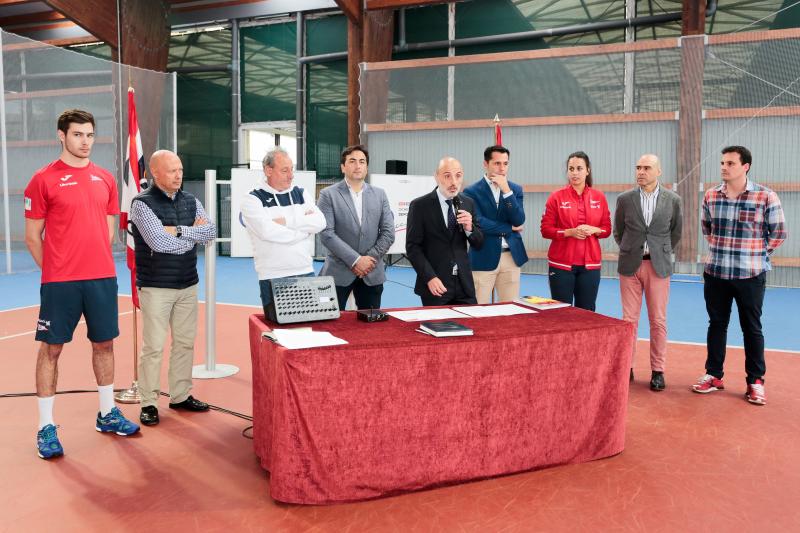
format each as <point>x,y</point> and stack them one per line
<point>84,391</point>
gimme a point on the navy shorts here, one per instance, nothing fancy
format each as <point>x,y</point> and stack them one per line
<point>63,303</point>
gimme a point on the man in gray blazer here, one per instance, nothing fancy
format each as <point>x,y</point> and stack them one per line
<point>359,231</point>
<point>647,228</point>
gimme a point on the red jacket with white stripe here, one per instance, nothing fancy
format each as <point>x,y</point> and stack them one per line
<point>561,213</point>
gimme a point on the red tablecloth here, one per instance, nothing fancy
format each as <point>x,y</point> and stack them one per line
<point>395,410</point>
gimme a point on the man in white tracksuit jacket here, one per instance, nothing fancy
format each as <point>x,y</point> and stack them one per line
<point>281,221</point>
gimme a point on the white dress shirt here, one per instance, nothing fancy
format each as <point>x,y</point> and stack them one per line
<point>444,205</point>
<point>496,193</point>
<point>358,199</point>
<point>648,208</point>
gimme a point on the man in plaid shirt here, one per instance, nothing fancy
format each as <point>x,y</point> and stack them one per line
<point>743,224</point>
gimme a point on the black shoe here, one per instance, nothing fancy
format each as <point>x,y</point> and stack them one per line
<point>657,381</point>
<point>149,415</point>
<point>190,404</point>
<point>631,375</point>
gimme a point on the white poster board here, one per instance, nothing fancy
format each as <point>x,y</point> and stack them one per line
<point>400,190</point>
<point>244,180</point>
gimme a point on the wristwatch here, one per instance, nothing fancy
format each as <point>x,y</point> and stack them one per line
<point>178,232</point>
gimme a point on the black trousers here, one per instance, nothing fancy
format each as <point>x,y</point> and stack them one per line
<point>749,296</point>
<point>366,296</point>
<point>457,296</point>
<point>577,287</point>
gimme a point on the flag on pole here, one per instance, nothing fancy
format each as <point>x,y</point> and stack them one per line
<point>132,182</point>
<point>498,133</point>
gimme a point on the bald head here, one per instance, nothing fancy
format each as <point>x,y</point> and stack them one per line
<point>648,170</point>
<point>167,170</point>
<point>652,160</point>
<point>449,176</point>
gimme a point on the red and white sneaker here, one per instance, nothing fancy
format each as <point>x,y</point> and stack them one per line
<point>755,393</point>
<point>708,383</point>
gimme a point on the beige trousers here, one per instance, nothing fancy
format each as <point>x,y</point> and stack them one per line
<point>504,278</point>
<point>176,308</point>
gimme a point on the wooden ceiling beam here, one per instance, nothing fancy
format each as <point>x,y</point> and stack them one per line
<point>396,4</point>
<point>145,35</point>
<point>145,38</point>
<point>70,41</point>
<point>352,9</point>
<point>98,17</point>
<point>693,21</point>
<point>144,43</point>
<point>368,43</point>
<point>31,18</point>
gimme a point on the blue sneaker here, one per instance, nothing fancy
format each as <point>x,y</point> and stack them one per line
<point>115,422</point>
<point>47,442</point>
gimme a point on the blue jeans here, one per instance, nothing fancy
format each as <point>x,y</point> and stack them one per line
<point>576,287</point>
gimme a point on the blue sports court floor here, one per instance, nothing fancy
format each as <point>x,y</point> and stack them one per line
<point>687,320</point>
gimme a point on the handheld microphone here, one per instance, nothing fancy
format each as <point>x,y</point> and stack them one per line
<point>457,206</point>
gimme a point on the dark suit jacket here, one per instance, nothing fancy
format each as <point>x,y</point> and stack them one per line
<point>496,221</point>
<point>432,248</point>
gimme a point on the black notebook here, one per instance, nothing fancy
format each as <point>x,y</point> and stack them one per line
<point>445,329</point>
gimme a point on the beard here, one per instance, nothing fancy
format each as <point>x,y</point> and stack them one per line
<point>76,151</point>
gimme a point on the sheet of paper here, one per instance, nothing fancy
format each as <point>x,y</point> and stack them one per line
<point>418,315</point>
<point>294,339</point>
<point>270,334</point>
<point>485,311</point>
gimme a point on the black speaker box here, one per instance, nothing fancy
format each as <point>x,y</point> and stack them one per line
<point>396,166</point>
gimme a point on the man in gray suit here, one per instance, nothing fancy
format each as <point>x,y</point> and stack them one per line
<point>647,228</point>
<point>360,229</point>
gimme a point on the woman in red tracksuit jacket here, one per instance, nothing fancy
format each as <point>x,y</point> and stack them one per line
<point>575,218</point>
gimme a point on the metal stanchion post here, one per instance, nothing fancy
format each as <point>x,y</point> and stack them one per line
<point>132,395</point>
<point>211,369</point>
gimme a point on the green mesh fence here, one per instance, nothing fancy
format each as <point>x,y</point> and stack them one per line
<point>268,70</point>
<point>326,128</point>
<point>551,106</point>
<point>41,81</point>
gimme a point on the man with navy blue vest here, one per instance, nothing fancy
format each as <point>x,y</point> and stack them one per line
<point>167,226</point>
<point>281,220</point>
<point>498,206</point>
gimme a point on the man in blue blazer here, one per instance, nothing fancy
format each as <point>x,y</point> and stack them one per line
<point>498,206</point>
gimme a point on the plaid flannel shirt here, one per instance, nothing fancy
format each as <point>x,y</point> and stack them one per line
<point>742,232</point>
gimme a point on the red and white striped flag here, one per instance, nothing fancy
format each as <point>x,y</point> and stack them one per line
<point>132,182</point>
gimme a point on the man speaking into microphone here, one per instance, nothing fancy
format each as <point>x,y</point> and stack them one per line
<point>440,224</point>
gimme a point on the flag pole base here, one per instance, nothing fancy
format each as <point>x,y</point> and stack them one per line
<point>130,395</point>
<point>219,371</point>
